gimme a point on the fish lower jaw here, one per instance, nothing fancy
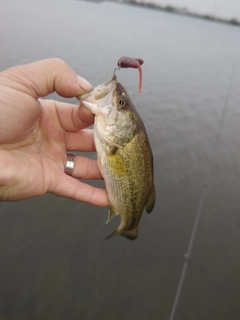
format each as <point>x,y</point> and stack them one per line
<point>91,106</point>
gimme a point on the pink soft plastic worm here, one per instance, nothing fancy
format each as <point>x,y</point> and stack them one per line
<point>127,62</point>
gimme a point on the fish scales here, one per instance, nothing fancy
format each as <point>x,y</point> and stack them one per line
<point>128,184</point>
<point>124,155</point>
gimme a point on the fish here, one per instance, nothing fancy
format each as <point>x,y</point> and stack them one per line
<point>124,155</point>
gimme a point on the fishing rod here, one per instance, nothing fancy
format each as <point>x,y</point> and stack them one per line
<point>187,256</point>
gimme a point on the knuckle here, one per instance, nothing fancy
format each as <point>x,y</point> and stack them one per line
<point>58,63</point>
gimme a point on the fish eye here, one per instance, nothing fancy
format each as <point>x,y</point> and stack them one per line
<point>121,102</point>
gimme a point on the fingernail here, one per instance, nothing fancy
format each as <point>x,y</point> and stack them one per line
<point>84,84</point>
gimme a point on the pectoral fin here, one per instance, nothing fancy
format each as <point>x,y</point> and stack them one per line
<point>151,201</point>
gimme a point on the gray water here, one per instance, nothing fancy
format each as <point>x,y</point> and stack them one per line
<point>54,261</point>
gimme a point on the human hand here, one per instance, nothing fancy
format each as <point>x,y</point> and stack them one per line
<point>35,134</point>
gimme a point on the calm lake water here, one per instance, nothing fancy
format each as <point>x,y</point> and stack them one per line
<point>54,261</point>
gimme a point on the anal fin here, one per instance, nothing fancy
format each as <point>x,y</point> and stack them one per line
<point>111,214</point>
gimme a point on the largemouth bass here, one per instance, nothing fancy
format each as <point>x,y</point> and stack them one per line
<point>124,155</point>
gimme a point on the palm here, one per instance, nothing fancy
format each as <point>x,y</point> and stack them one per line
<point>34,137</point>
<point>39,154</point>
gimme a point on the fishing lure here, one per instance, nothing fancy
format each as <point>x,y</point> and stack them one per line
<point>128,62</point>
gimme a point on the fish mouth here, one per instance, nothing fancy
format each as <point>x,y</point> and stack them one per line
<point>101,94</point>
<point>100,91</point>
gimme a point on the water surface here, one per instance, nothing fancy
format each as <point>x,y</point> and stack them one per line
<point>55,263</point>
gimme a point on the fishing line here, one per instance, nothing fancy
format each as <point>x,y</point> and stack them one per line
<point>187,256</point>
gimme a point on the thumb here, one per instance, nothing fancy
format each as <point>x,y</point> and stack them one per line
<point>46,76</point>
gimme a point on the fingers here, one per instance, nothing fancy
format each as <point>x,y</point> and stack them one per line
<point>80,141</point>
<point>46,76</point>
<point>71,188</point>
<point>39,79</point>
<point>85,168</point>
<point>71,117</point>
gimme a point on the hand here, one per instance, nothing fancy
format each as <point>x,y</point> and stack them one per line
<point>35,134</point>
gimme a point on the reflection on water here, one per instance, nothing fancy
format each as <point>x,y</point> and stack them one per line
<point>55,263</point>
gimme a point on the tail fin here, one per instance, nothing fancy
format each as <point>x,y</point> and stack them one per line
<point>129,234</point>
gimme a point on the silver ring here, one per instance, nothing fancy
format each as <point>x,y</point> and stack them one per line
<point>69,164</point>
